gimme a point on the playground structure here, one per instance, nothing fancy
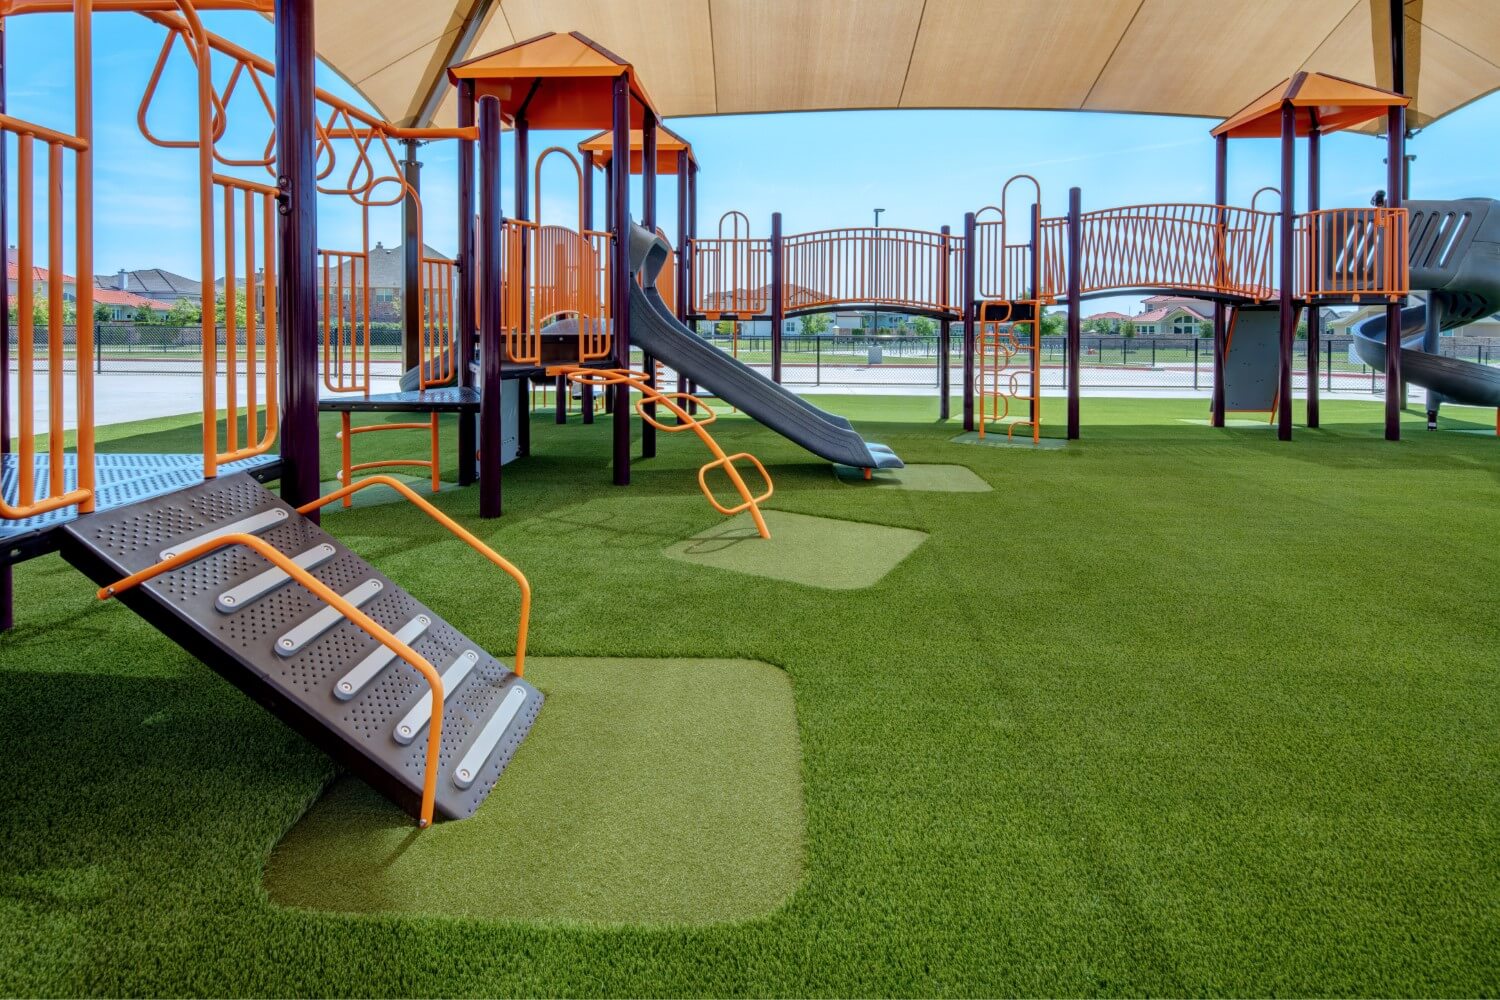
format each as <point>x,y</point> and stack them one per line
<point>193,544</point>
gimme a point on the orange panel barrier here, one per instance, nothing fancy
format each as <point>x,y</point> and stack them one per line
<point>1353,253</point>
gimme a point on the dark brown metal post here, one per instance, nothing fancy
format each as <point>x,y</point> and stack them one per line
<point>586,392</point>
<point>648,220</point>
<point>491,219</point>
<point>411,260</point>
<point>521,133</point>
<point>1395,183</point>
<point>1314,314</point>
<point>297,236</point>
<point>1221,317</point>
<point>619,215</point>
<point>778,297</point>
<point>1075,307</point>
<point>468,284</point>
<point>692,271</point>
<point>945,326</point>
<point>1287,269</point>
<point>1036,309</point>
<point>968,314</point>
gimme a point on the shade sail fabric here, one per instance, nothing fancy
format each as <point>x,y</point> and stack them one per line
<point>700,57</point>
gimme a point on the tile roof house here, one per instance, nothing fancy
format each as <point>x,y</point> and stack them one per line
<point>152,283</point>
<point>1176,315</point>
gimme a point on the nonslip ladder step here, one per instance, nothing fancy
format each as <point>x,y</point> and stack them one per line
<point>261,584</point>
<point>416,720</point>
<point>484,744</point>
<point>354,681</point>
<point>297,639</point>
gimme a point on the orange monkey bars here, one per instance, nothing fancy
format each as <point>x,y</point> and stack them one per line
<point>652,397</point>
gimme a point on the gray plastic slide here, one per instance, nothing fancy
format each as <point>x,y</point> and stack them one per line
<point>655,330</point>
<point>1455,258</point>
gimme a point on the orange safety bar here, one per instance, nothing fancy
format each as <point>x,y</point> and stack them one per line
<point>1354,253</point>
<point>902,268</point>
<point>346,320</point>
<point>651,397</point>
<point>55,494</point>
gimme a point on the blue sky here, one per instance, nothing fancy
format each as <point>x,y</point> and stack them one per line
<point>819,170</point>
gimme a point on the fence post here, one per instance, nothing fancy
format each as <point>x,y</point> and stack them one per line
<point>1195,361</point>
<point>1329,367</point>
<point>99,351</point>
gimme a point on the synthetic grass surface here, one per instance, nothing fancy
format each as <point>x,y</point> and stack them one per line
<point>650,791</point>
<point>922,478</point>
<point>1172,711</point>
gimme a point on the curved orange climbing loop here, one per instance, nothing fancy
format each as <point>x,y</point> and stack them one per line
<point>679,404</point>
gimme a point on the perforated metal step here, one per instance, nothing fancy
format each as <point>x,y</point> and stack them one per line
<point>486,714</point>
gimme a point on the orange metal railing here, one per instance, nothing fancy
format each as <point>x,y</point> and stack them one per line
<point>650,398</point>
<point>901,268</point>
<point>1353,253</point>
<point>254,205</point>
<point>666,278</point>
<point>1191,247</point>
<point>439,354</point>
<point>32,497</point>
<point>345,296</point>
<point>731,274</point>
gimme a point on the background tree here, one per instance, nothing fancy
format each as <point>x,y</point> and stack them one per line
<point>816,324</point>
<point>1127,328</point>
<point>184,312</point>
<point>925,326</point>
<point>143,315</point>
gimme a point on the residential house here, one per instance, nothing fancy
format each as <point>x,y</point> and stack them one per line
<point>153,283</point>
<point>1162,315</point>
<point>121,305</point>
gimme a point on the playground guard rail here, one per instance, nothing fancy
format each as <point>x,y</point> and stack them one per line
<point>1353,253</point>
<point>33,498</point>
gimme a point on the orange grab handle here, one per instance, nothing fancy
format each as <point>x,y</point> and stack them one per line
<point>324,593</point>
<point>457,529</point>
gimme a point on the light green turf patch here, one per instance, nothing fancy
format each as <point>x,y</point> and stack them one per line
<point>920,478</point>
<point>376,496</point>
<point>816,551</point>
<point>1482,431</point>
<point>1266,424</point>
<point>997,439</point>
<point>649,792</point>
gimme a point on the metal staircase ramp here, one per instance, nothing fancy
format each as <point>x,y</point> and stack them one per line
<point>301,659</point>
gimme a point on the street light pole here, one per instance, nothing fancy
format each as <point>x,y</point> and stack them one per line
<point>874,278</point>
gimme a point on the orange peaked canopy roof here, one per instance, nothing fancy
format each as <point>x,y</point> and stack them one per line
<point>554,81</point>
<point>668,145</point>
<point>1332,102</point>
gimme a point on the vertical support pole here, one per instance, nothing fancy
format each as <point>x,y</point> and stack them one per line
<point>968,314</point>
<point>1221,317</point>
<point>585,393</point>
<point>468,284</point>
<point>692,268</point>
<point>778,297</point>
<point>297,237</point>
<point>411,261</point>
<point>683,253</point>
<point>1314,313</point>
<point>1034,402</point>
<point>521,135</point>
<point>648,219</point>
<point>1287,276</point>
<point>7,581</point>
<point>619,212</point>
<point>1075,307</point>
<point>1395,184</point>
<point>945,326</point>
<point>491,220</point>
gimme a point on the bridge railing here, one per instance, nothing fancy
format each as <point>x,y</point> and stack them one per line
<point>1192,247</point>
<point>731,276</point>
<point>900,268</point>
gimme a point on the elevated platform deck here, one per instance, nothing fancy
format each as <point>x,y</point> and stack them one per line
<point>119,479</point>
<point>449,399</point>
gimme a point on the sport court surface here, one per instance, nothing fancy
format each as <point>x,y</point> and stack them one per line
<point>1171,710</point>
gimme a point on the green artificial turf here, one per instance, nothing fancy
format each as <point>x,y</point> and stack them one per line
<point>649,792</point>
<point>1174,710</point>
<point>996,437</point>
<point>812,551</point>
<point>920,478</point>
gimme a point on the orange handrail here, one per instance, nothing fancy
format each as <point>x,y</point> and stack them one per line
<point>1354,253</point>
<point>652,397</point>
<point>328,596</point>
<point>460,532</point>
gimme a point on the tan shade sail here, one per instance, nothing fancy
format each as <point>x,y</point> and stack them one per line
<point>1329,102</point>
<point>699,57</point>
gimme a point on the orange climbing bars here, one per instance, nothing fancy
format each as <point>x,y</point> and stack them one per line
<point>345,294</point>
<point>33,498</point>
<point>256,212</point>
<point>651,397</point>
<point>439,359</point>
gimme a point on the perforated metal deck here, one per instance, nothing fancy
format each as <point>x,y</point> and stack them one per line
<point>266,641</point>
<point>119,480</point>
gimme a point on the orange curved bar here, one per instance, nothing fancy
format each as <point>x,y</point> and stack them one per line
<point>651,396</point>
<point>457,529</point>
<point>328,596</point>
